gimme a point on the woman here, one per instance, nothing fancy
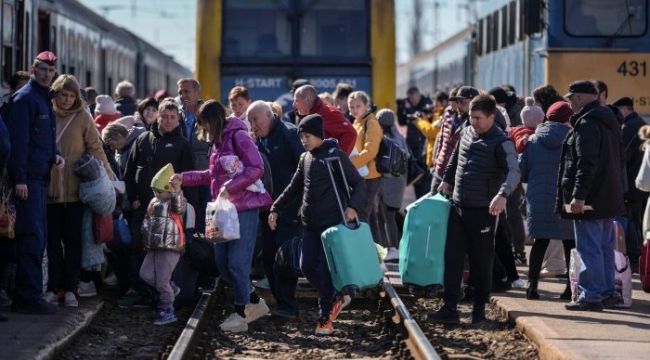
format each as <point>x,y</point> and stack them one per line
<point>146,111</point>
<point>642,180</point>
<point>391,193</point>
<point>369,136</point>
<point>240,100</point>
<point>539,165</point>
<point>230,137</point>
<point>76,134</point>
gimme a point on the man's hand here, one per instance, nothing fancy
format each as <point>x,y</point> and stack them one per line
<point>444,189</point>
<point>21,191</point>
<point>497,205</point>
<point>577,206</point>
<point>350,215</point>
<point>273,220</point>
<point>59,162</point>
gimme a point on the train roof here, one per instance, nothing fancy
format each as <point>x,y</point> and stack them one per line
<point>426,56</point>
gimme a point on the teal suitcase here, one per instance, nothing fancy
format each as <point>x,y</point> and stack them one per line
<point>422,248</point>
<point>350,250</point>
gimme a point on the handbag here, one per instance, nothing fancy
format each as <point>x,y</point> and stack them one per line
<point>102,228</point>
<point>7,207</point>
<point>121,231</point>
<point>287,259</point>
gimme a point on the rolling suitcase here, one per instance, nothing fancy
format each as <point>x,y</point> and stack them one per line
<point>644,266</point>
<point>350,251</point>
<point>422,247</point>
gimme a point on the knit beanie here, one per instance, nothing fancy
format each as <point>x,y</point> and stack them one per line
<point>386,117</point>
<point>312,124</point>
<point>559,112</point>
<point>160,181</point>
<point>531,115</point>
<point>105,105</point>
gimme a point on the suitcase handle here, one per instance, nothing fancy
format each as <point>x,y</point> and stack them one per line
<point>329,161</point>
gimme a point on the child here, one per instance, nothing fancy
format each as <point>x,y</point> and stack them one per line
<point>164,240</point>
<point>531,115</point>
<point>319,211</point>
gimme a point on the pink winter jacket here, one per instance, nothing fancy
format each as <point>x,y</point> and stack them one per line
<point>236,141</point>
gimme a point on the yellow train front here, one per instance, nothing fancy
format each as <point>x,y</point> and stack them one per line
<point>266,45</point>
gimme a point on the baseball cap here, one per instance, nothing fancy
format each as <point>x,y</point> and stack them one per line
<point>624,101</point>
<point>581,87</point>
<point>47,57</point>
<point>298,83</point>
<point>465,92</point>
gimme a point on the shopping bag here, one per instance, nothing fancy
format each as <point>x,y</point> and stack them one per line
<point>7,207</point>
<point>575,267</point>
<point>102,228</point>
<point>221,221</point>
<point>121,231</point>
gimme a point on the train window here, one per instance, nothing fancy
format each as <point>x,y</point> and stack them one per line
<point>504,26</point>
<point>512,22</point>
<point>252,28</point>
<point>606,17</point>
<point>495,31</point>
<point>334,28</point>
<point>479,37</point>
<point>7,24</point>
<point>488,34</point>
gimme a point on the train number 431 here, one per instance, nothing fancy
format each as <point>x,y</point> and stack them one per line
<point>632,68</point>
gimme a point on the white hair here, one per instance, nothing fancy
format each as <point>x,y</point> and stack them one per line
<point>259,105</point>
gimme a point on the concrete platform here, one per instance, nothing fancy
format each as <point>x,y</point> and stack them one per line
<point>36,337</point>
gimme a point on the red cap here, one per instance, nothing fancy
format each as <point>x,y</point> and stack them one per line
<point>47,57</point>
<point>559,112</point>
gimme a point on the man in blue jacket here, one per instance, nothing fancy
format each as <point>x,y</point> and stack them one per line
<point>32,130</point>
<point>278,140</point>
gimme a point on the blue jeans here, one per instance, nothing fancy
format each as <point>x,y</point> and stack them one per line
<point>595,244</point>
<point>314,266</point>
<point>234,257</point>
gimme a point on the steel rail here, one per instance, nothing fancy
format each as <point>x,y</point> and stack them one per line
<point>186,343</point>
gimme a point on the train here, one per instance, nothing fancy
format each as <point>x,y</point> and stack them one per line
<point>266,45</point>
<point>529,43</point>
<point>97,52</point>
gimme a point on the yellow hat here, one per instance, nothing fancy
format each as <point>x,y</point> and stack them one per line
<point>160,181</point>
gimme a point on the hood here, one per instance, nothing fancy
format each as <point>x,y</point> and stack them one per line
<point>329,145</point>
<point>134,133</point>
<point>595,111</point>
<point>233,124</point>
<point>154,130</point>
<point>551,134</point>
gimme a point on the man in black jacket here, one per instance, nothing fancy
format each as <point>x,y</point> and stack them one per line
<point>591,186</point>
<point>482,173</point>
<point>279,141</point>
<point>163,144</point>
<point>634,198</point>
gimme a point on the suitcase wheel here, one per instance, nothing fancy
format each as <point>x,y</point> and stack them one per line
<point>350,290</point>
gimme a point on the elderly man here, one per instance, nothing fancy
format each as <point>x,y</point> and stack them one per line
<point>125,98</point>
<point>591,186</point>
<point>31,123</point>
<point>279,141</point>
<point>163,144</point>
<point>307,102</point>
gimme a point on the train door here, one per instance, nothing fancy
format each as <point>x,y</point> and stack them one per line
<point>46,38</point>
<point>7,41</point>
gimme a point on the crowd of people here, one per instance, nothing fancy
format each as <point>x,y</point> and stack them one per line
<point>496,155</point>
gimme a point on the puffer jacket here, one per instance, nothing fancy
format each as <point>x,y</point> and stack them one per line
<point>430,130</point>
<point>369,136</point>
<point>593,165</point>
<point>539,165</point>
<point>160,229</point>
<point>447,142</point>
<point>236,141</point>
<point>335,125</point>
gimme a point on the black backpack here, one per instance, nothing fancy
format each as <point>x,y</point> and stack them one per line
<point>287,259</point>
<point>391,160</point>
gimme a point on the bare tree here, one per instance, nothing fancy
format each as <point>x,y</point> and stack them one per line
<point>416,28</point>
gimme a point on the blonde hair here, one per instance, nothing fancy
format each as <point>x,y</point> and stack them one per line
<point>239,91</point>
<point>195,84</point>
<point>276,108</point>
<point>327,98</point>
<point>125,88</point>
<point>112,130</point>
<point>359,95</point>
<point>70,83</point>
<point>644,134</point>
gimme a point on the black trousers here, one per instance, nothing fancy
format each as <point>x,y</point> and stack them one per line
<point>368,212</point>
<point>504,263</point>
<point>470,231</point>
<point>634,236</point>
<point>64,245</point>
<point>537,256</point>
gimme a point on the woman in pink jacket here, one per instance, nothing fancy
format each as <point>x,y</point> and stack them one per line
<point>230,138</point>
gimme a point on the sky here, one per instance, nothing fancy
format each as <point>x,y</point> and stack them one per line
<point>170,25</point>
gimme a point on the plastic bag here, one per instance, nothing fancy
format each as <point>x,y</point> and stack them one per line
<point>575,267</point>
<point>222,221</point>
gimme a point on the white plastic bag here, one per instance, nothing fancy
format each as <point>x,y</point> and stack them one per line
<point>221,221</point>
<point>575,266</point>
<point>623,279</point>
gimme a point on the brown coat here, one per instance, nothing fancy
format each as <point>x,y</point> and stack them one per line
<point>79,137</point>
<point>369,136</point>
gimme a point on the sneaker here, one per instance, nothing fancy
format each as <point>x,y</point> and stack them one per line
<point>445,315</point>
<point>175,289</point>
<point>393,255</point>
<point>545,273</point>
<point>256,311</point>
<point>612,302</point>
<point>50,298</point>
<point>234,323</point>
<point>111,280</point>
<point>518,284</point>
<point>336,309</point>
<point>520,259</point>
<point>499,286</point>
<point>478,317</point>
<point>87,289</point>
<point>5,300</point>
<point>263,283</point>
<point>70,299</point>
<point>41,307</point>
<point>324,326</point>
<point>133,299</point>
<point>164,317</point>
<point>346,301</point>
<point>582,305</point>
<point>284,314</point>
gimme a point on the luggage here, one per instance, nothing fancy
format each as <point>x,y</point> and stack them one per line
<point>184,276</point>
<point>201,253</point>
<point>287,258</point>
<point>350,251</point>
<point>644,265</point>
<point>422,247</point>
<point>623,273</point>
<point>575,264</point>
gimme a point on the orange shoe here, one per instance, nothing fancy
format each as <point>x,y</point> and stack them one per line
<point>324,326</point>
<point>336,309</point>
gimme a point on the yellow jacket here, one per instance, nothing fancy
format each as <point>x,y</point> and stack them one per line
<point>430,130</point>
<point>369,135</point>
